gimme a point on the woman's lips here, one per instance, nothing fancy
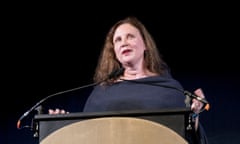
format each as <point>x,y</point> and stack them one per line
<point>126,51</point>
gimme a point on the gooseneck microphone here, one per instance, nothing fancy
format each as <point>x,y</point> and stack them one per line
<point>185,92</point>
<point>116,73</point>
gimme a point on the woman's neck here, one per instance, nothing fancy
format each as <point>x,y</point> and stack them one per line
<point>136,74</point>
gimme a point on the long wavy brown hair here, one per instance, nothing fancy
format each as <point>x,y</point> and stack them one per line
<point>108,62</point>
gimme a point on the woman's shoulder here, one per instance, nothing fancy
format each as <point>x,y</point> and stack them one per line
<point>166,80</point>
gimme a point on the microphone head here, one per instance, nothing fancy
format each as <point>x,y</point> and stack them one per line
<point>116,73</point>
<point>207,107</point>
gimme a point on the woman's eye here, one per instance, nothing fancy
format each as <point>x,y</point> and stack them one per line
<point>130,36</point>
<point>117,40</point>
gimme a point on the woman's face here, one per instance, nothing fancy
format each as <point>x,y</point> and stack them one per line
<point>128,44</point>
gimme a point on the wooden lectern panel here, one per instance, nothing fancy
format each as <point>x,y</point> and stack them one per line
<point>114,130</point>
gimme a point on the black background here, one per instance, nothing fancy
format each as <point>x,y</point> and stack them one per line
<point>48,48</point>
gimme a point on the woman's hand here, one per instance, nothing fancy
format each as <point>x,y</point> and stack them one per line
<point>57,111</point>
<point>197,106</point>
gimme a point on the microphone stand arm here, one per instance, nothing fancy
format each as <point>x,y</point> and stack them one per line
<point>185,92</point>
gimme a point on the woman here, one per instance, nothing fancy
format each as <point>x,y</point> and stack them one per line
<point>129,45</point>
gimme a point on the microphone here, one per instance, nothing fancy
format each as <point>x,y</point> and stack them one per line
<point>185,92</point>
<point>203,100</point>
<point>114,74</point>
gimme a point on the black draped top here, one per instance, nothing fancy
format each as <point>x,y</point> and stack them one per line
<point>137,95</point>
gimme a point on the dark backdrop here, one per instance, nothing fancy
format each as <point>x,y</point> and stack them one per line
<point>48,49</point>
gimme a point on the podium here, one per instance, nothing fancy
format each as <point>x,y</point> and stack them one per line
<point>166,126</point>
